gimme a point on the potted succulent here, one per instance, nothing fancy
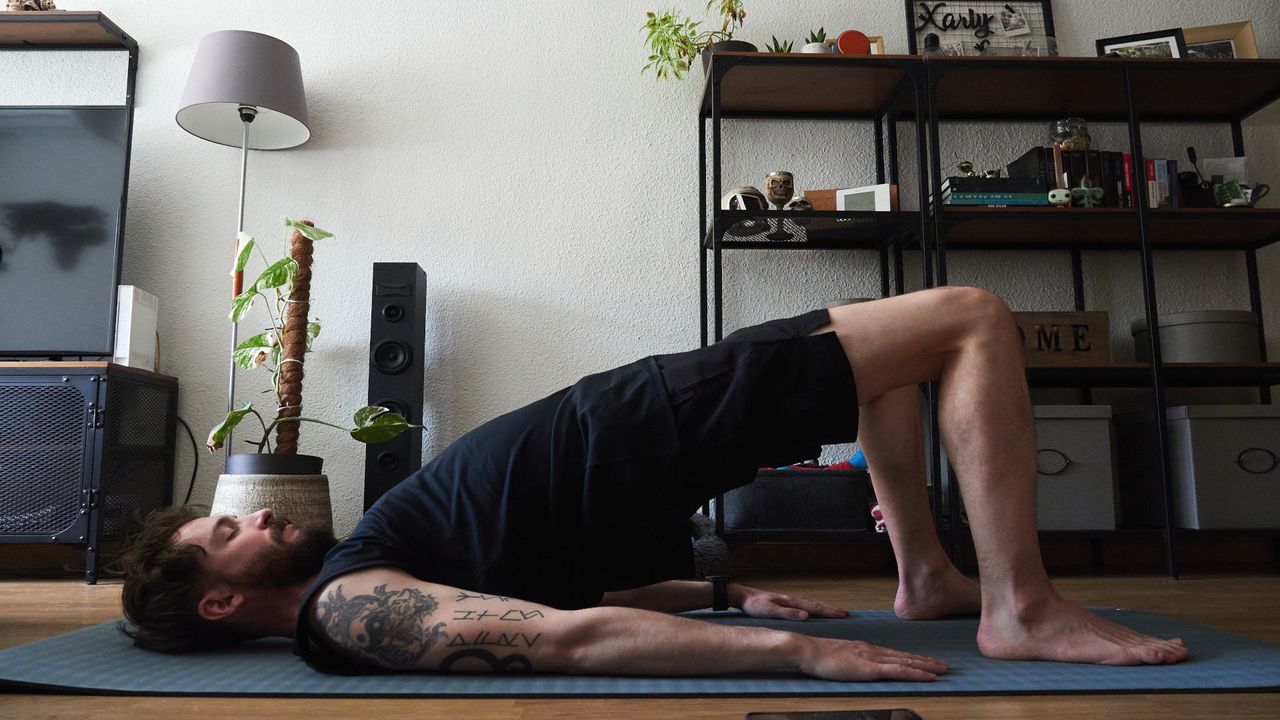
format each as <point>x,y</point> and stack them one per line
<point>816,42</point>
<point>274,474</point>
<point>778,46</point>
<point>674,41</point>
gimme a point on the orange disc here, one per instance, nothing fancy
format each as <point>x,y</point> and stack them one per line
<point>852,42</point>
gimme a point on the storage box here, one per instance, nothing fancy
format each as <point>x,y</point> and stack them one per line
<point>1219,336</point>
<point>1224,461</point>
<point>1075,488</point>
<point>805,500</point>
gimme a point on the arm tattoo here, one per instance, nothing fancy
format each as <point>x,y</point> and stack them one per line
<point>511,663</point>
<point>387,627</point>
<point>471,596</point>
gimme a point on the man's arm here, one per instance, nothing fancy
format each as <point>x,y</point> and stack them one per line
<point>676,596</point>
<point>387,618</point>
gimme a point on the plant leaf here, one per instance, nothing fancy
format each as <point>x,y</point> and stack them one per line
<point>277,274</point>
<point>365,414</point>
<point>313,331</point>
<point>241,304</point>
<point>310,232</point>
<point>218,435</point>
<point>246,246</point>
<point>246,353</point>
<point>381,428</point>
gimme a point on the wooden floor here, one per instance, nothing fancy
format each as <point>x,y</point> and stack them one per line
<point>1248,605</point>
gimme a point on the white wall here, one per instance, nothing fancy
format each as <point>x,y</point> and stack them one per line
<point>549,190</point>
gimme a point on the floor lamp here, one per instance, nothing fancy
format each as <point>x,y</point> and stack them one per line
<point>241,79</point>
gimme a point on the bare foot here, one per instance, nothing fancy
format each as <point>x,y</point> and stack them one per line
<point>938,594</point>
<point>1055,629</point>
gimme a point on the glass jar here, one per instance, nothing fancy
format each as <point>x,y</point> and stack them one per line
<point>1072,133</point>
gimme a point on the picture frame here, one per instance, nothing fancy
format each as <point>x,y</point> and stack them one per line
<point>876,198</point>
<point>877,44</point>
<point>1009,24</point>
<point>1158,44</point>
<point>1229,40</point>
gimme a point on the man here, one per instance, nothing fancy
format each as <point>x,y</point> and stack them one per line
<point>544,539</point>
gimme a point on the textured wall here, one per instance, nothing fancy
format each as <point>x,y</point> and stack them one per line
<point>548,189</point>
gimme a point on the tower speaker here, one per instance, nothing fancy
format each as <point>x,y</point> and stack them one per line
<point>397,332</point>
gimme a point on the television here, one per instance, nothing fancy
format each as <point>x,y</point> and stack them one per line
<point>63,176</point>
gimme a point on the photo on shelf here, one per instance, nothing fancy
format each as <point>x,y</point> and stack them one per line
<point>1158,44</point>
<point>980,28</point>
<point>1230,40</point>
<point>1013,22</point>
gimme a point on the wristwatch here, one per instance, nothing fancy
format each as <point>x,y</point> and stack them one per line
<point>719,591</point>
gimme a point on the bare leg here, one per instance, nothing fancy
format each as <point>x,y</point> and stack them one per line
<point>966,339</point>
<point>929,585</point>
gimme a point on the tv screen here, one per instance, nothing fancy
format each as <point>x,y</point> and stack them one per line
<point>62,182</point>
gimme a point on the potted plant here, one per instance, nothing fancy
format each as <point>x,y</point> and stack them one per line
<point>816,42</point>
<point>777,46</point>
<point>275,475</point>
<point>674,41</point>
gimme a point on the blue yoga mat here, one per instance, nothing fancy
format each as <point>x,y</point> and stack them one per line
<point>100,660</point>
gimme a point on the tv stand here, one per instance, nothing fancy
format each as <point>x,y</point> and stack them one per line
<point>86,450</point>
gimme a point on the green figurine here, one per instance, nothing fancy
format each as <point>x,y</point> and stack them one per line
<point>1086,195</point>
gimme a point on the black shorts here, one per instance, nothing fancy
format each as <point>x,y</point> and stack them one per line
<point>766,396</point>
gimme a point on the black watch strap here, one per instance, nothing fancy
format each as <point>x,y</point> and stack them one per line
<point>719,591</point>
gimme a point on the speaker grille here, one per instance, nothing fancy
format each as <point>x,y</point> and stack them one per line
<point>136,454</point>
<point>42,436</point>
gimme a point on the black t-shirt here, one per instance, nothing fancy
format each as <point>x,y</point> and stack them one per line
<point>557,502</point>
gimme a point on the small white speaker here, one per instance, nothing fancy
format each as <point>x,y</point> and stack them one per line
<point>136,312</point>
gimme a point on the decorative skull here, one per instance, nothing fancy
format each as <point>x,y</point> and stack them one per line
<point>745,198</point>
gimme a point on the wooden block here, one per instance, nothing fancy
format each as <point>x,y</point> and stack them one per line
<point>821,199</point>
<point>1058,339</point>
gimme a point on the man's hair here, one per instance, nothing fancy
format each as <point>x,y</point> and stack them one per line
<point>163,581</point>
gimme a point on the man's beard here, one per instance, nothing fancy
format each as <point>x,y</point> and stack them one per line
<point>293,562</point>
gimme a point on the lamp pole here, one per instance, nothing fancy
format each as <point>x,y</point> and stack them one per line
<point>247,114</point>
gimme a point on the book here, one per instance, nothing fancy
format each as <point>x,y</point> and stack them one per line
<point>1175,192</point>
<point>996,196</point>
<point>1126,161</point>
<point>1152,196</point>
<point>983,184</point>
<point>1162,183</point>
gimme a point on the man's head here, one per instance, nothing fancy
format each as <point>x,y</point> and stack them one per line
<point>193,581</point>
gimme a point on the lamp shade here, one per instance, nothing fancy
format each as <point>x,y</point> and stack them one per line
<point>235,68</point>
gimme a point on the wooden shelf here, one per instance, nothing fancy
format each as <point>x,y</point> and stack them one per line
<point>798,85</point>
<point>1165,90</point>
<point>1045,228</point>
<point>61,28</point>
<point>1175,375</point>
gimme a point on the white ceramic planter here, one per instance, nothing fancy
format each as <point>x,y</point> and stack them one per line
<point>816,48</point>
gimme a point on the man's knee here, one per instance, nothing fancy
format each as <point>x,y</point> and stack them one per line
<point>978,311</point>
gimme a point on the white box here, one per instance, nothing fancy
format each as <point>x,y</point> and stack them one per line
<point>1075,484</point>
<point>136,313</point>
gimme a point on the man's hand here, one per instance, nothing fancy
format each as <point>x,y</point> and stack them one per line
<point>847,660</point>
<point>764,604</point>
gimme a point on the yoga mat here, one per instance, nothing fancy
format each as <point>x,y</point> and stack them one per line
<point>99,660</point>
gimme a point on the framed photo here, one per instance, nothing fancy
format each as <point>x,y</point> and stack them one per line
<point>1232,40</point>
<point>1158,44</point>
<point>980,27</point>
<point>877,198</point>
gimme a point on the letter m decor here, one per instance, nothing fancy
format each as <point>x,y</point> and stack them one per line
<point>1065,339</point>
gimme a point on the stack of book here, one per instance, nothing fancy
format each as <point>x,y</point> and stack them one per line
<point>993,192</point>
<point>1111,171</point>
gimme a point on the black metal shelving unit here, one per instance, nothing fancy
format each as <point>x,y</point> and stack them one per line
<point>885,90</point>
<point>881,91</point>
<point>1131,92</point>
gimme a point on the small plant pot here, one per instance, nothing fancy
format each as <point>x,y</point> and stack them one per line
<point>815,48</point>
<point>725,46</point>
<point>292,486</point>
